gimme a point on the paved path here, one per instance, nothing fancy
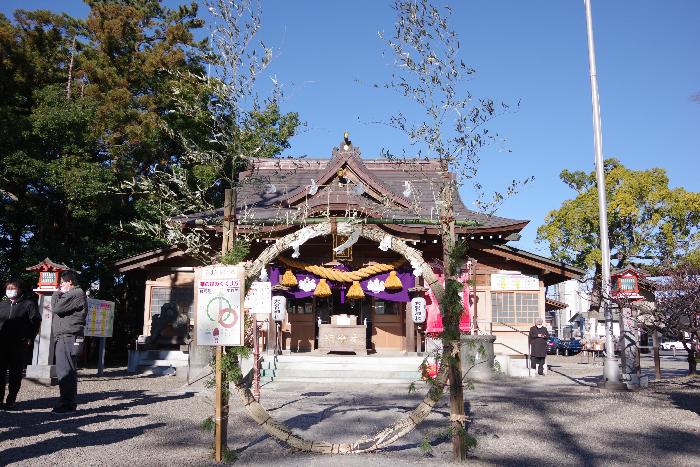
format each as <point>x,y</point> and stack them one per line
<point>552,420</point>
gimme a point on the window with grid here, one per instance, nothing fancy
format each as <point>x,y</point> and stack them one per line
<point>627,283</point>
<point>515,307</point>
<point>183,297</point>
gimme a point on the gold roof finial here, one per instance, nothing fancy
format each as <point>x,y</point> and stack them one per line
<point>346,141</point>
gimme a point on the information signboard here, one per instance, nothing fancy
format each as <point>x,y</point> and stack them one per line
<point>514,281</point>
<point>258,299</point>
<point>100,318</point>
<point>219,292</point>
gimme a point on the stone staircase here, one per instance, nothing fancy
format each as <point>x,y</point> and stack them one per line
<point>318,368</point>
<point>156,362</point>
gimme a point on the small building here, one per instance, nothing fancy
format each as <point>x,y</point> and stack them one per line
<point>504,287</point>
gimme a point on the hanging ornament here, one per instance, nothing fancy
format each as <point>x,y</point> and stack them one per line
<point>322,289</point>
<point>288,279</point>
<point>279,308</point>
<point>418,312</point>
<point>355,292</point>
<point>393,282</point>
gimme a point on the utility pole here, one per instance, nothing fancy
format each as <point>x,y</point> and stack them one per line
<point>610,368</point>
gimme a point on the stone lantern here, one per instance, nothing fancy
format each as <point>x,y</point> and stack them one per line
<point>42,368</point>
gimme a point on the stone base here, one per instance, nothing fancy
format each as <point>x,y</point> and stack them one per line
<point>45,374</point>
<point>477,357</point>
<point>635,381</point>
<point>611,386</point>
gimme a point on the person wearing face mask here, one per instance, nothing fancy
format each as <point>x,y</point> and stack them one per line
<point>19,324</point>
<point>537,339</point>
<point>69,308</point>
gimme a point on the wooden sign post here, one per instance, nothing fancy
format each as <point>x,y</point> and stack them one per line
<point>220,320</point>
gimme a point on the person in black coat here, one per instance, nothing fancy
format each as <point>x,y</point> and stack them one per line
<point>19,324</point>
<point>69,308</point>
<point>537,339</point>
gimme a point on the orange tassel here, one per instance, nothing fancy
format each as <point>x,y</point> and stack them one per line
<point>393,282</point>
<point>323,290</point>
<point>288,279</point>
<point>355,292</point>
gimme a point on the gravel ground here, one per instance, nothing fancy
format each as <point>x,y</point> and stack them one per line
<point>552,420</point>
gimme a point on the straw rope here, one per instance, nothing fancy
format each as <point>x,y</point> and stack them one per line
<point>342,276</point>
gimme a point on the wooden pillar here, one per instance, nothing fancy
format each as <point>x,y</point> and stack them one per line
<point>410,329</point>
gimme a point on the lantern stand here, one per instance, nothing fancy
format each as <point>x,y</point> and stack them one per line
<point>417,295</point>
<point>42,368</point>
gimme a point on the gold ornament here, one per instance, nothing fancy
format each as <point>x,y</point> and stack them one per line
<point>393,282</point>
<point>355,292</point>
<point>289,279</point>
<point>322,289</point>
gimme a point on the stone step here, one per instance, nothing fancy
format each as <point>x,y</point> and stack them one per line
<point>304,366</point>
<point>162,355</point>
<point>284,372</point>
<point>163,363</point>
<point>157,370</point>
<point>336,381</point>
<point>320,358</point>
<point>341,369</point>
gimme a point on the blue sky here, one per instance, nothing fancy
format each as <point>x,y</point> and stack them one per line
<point>533,52</point>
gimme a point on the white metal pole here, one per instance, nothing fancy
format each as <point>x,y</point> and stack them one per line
<point>610,368</point>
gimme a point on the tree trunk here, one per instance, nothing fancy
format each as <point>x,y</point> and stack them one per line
<point>597,289</point>
<point>451,324</point>
<point>657,355</point>
<point>692,363</point>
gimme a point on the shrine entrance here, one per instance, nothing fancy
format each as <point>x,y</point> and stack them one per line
<point>391,433</point>
<point>383,322</point>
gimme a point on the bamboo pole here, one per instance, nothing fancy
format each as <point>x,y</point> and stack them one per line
<point>219,439</point>
<point>221,395</point>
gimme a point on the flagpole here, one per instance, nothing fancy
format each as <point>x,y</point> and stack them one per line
<point>610,368</point>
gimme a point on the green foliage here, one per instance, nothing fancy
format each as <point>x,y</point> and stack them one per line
<point>96,140</point>
<point>649,223</point>
<point>207,424</point>
<point>425,447</point>
<point>237,254</point>
<point>497,366</point>
<point>229,455</point>
<point>468,440</point>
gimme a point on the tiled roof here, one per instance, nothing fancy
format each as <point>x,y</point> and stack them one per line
<point>282,188</point>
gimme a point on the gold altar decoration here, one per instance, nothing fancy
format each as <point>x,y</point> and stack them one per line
<point>355,292</point>
<point>322,289</point>
<point>343,276</point>
<point>288,279</point>
<point>393,282</point>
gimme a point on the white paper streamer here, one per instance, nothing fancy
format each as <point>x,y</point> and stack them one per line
<point>385,244</point>
<point>352,239</point>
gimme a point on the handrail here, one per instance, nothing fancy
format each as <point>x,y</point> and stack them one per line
<point>514,329</point>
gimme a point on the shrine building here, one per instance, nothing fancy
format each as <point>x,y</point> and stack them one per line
<point>363,283</point>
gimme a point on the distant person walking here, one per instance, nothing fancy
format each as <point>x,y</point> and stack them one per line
<point>19,324</point>
<point>537,339</point>
<point>69,307</point>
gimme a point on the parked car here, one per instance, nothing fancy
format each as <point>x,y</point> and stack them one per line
<point>570,347</point>
<point>672,345</point>
<point>552,345</point>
